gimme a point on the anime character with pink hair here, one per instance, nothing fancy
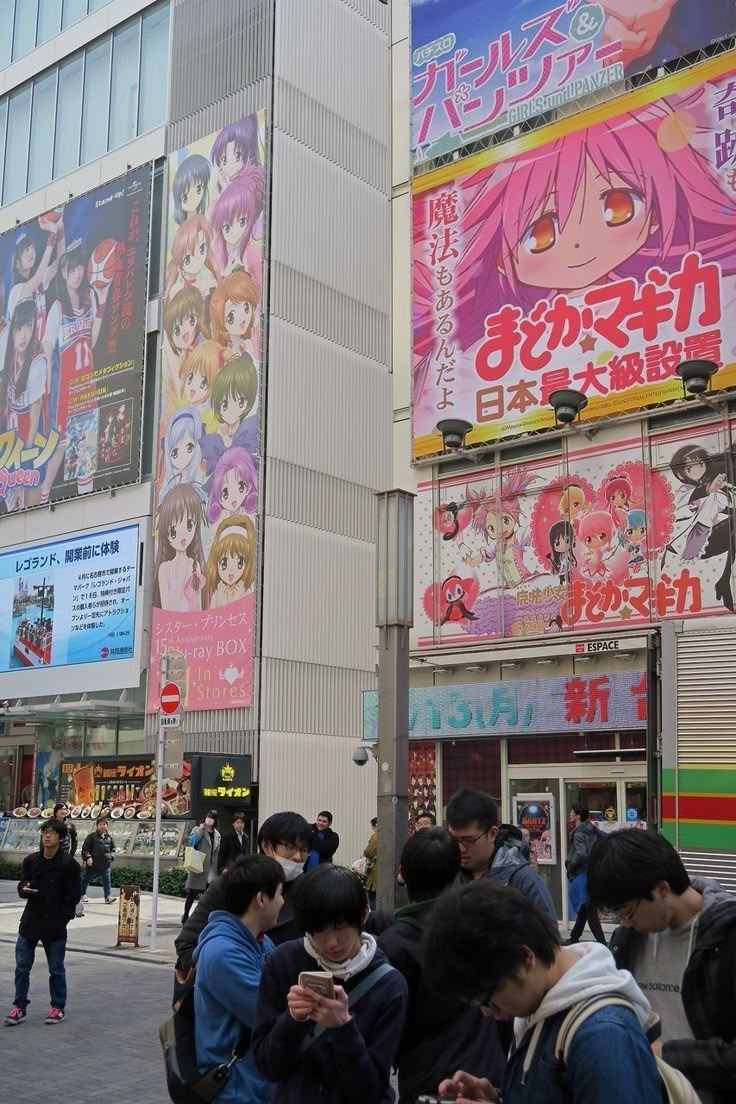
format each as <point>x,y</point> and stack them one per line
<point>596,205</point>
<point>596,534</point>
<point>233,489</point>
<point>618,493</point>
<point>234,215</point>
<point>497,516</point>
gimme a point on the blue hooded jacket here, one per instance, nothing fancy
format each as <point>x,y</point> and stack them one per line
<point>229,962</point>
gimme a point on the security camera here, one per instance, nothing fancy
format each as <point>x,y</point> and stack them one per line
<point>695,375</point>
<point>454,431</point>
<point>567,404</point>
<point>360,756</point>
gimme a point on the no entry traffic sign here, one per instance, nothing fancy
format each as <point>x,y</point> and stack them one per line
<point>170,698</point>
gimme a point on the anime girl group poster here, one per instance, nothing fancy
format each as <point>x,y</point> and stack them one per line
<point>604,537</point>
<point>73,293</point>
<point>596,253</point>
<point>209,446</point>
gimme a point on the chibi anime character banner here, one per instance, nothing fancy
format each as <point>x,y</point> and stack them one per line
<point>603,538</point>
<point>599,255</point>
<point>73,293</point>
<point>209,448</point>
<point>478,67</point>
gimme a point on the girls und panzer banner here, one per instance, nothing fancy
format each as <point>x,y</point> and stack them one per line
<point>606,537</point>
<point>597,253</point>
<point>208,462</point>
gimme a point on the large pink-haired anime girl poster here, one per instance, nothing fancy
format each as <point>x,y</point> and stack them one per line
<point>605,537</point>
<point>596,253</point>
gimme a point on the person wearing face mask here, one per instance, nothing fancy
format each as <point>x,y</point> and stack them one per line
<point>317,1047</point>
<point>205,838</point>
<point>284,837</point>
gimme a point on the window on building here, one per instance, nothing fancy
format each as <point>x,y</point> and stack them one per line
<point>68,115</point>
<point>41,150</point>
<point>24,30</point>
<point>73,11</point>
<point>154,69</point>
<point>49,20</point>
<point>96,100</point>
<point>7,13</point>
<point>16,145</point>
<point>124,91</point>
<point>3,121</point>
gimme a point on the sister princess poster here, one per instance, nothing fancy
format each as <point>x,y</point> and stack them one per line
<point>209,447</point>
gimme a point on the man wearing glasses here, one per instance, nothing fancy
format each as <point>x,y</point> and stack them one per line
<point>678,939</point>
<point>284,837</point>
<point>472,818</point>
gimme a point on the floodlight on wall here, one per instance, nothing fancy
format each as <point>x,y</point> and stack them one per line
<point>696,376</point>
<point>454,431</point>
<point>567,405</point>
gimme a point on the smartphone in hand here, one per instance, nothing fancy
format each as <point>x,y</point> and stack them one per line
<point>319,982</point>
<point>28,888</point>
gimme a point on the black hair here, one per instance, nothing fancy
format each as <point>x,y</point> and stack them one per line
<point>101,820</point>
<point>327,814</point>
<point>284,828</point>
<point>557,530</point>
<point>685,455</point>
<point>237,816</point>
<point>480,935</point>
<point>59,805</point>
<point>22,243</point>
<point>57,826</point>
<point>467,806</point>
<point>25,314</point>
<point>429,816</point>
<point>374,822</point>
<point>582,811</point>
<point>212,813</point>
<point>627,865</point>
<point>328,896</point>
<point>252,874</point>
<point>75,254</point>
<point>430,861</point>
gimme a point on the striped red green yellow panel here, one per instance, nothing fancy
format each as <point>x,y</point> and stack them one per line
<point>702,799</point>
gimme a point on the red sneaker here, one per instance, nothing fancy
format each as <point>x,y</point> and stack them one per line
<point>55,1015</point>
<point>15,1016</point>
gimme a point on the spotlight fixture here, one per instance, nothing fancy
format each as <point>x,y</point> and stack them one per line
<point>567,404</point>
<point>695,376</point>
<point>454,432</point>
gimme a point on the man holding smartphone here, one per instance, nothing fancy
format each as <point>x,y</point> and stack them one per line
<point>50,886</point>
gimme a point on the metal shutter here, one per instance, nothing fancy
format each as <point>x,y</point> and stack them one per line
<point>706,702</point>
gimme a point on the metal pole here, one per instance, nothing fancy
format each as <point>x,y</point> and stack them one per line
<point>393,758</point>
<point>157,833</point>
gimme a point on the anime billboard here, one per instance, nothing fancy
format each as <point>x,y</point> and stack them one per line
<point>73,294</point>
<point>208,464</point>
<point>598,256</point>
<point>609,536</point>
<point>479,67</point>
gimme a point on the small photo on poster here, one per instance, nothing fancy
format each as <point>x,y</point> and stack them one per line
<point>33,622</point>
<point>115,437</point>
<point>80,458</point>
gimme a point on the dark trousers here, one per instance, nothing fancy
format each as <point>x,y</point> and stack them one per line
<point>192,896</point>
<point>587,914</point>
<point>25,952</point>
<point>90,873</point>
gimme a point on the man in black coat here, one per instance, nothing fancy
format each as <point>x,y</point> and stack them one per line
<point>441,1035</point>
<point>50,886</point>
<point>324,842</point>
<point>233,844</point>
<point>61,812</point>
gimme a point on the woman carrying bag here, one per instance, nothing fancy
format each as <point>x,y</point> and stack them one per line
<point>204,841</point>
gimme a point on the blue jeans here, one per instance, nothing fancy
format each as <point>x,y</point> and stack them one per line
<point>90,873</point>
<point>25,952</point>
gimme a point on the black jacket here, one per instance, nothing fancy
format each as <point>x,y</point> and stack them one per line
<point>48,911</point>
<point>99,848</point>
<point>441,1035</point>
<point>69,843</point>
<point>345,1065</point>
<point>231,849</point>
<point>212,899</point>
<point>708,994</point>
<point>581,843</point>
<point>327,845</point>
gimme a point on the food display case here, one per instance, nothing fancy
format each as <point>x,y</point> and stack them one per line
<point>22,836</point>
<point>133,838</point>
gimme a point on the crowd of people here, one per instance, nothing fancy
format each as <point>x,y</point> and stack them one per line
<point>467,991</point>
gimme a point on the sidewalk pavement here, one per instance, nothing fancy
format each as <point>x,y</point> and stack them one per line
<point>96,931</point>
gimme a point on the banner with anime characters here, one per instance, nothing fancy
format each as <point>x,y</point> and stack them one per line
<point>480,67</point>
<point>598,255</point>
<point>209,447</point>
<point>606,537</point>
<point>73,294</point>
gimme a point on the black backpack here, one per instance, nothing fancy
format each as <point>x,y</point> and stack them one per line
<point>184,1081</point>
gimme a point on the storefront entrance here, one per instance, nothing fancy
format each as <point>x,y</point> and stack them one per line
<point>542,798</point>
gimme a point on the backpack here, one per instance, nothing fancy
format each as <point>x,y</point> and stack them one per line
<point>185,1082</point>
<point>678,1088</point>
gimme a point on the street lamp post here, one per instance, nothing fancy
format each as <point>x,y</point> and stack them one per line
<point>394,618</point>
